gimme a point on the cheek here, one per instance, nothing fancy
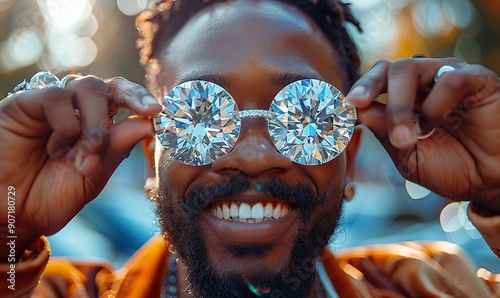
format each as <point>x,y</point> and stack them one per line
<point>328,178</point>
<point>174,177</point>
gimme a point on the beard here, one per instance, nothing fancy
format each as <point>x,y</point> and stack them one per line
<point>179,220</point>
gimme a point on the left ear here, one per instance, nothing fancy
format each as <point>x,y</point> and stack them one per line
<point>351,152</point>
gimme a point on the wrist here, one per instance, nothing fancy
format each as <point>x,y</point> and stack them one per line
<point>12,247</point>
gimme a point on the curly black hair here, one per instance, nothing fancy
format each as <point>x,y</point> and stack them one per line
<point>158,25</point>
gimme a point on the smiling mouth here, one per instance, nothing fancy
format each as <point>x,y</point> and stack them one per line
<point>249,213</point>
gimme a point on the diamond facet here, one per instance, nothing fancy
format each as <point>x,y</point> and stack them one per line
<point>313,124</point>
<point>198,122</point>
<point>44,79</point>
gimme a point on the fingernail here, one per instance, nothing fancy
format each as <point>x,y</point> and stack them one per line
<point>421,133</point>
<point>148,101</point>
<point>402,135</point>
<point>89,164</point>
<point>358,92</point>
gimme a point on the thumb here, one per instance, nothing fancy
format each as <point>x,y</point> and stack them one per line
<point>123,137</point>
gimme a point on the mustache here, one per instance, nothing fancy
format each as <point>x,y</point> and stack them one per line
<point>302,195</point>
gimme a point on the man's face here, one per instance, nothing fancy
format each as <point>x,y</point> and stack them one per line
<point>252,49</point>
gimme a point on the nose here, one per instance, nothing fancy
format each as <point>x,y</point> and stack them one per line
<point>254,152</point>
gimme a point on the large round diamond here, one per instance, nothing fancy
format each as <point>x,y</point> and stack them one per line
<point>314,123</point>
<point>197,122</point>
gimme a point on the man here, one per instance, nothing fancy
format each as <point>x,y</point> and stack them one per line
<point>246,212</point>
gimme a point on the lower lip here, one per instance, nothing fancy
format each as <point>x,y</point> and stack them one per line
<point>235,232</point>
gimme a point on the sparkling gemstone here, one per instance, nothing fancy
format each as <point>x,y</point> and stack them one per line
<point>254,114</point>
<point>314,123</point>
<point>19,87</point>
<point>198,122</point>
<point>44,79</point>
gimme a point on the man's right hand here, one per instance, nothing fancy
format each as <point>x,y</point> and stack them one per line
<point>59,148</point>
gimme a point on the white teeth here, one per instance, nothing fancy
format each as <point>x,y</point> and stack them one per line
<point>245,211</point>
<point>258,211</point>
<point>225,211</point>
<point>233,211</point>
<point>268,211</point>
<point>284,211</point>
<point>277,212</point>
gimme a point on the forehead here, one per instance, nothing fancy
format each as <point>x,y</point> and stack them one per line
<point>249,41</point>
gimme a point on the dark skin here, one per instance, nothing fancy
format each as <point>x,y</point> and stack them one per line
<point>53,159</point>
<point>253,77</point>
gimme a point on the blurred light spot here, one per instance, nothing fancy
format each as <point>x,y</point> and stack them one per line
<point>90,27</point>
<point>455,222</point>
<point>363,4</point>
<point>460,13</point>
<point>395,6</point>
<point>467,49</point>
<point>70,51</point>
<point>46,63</point>
<point>449,218</point>
<point>457,219</point>
<point>379,31</point>
<point>459,236</point>
<point>416,191</point>
<point>474,234</point>
<point>22,49</point>
<point>65,13</point>
<point>428,18</point>
<point>351,270</point>
<point>131,7</point>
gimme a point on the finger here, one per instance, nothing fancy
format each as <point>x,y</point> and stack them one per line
<point>402,82</point>
<point>465,86</point>
<point>373,117</point>
<point>407,80</point>
<point>129,95</point>
<point>123,137</point>
<point>91,99</point>
<point>26,108</point>
<point>36,113</point>
<point>370,85</point>
<point>60,114</point>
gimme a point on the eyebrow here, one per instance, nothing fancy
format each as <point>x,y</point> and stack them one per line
<point>284,79</point>
<point>280,80</point>
<point>217,79</point>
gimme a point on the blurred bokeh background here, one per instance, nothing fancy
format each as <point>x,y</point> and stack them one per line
<point>98,37</point>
